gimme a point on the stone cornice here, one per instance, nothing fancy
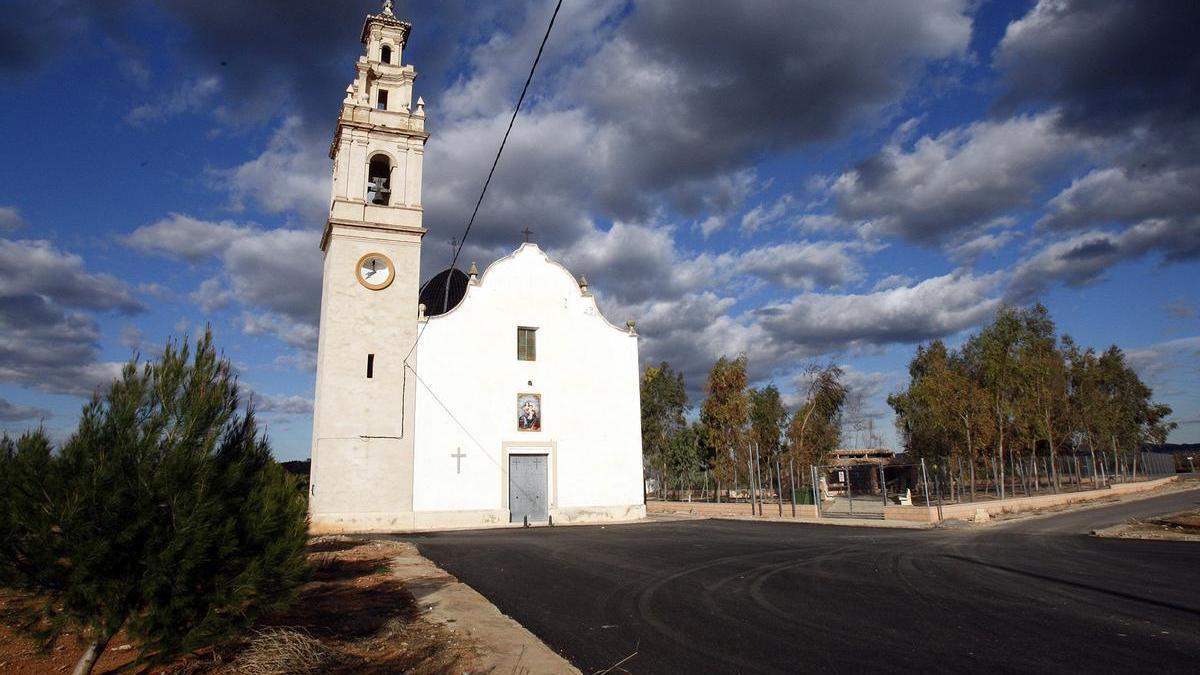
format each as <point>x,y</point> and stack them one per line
<point>358,225</point>
<point>385,20</point>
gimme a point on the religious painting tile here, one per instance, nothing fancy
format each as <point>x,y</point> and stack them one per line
<point>529,412</point>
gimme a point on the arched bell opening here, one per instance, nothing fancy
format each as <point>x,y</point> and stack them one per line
<point>379,180</point>
<point>385,54</point>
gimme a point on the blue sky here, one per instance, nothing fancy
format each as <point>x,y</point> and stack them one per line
<point>824,181</point>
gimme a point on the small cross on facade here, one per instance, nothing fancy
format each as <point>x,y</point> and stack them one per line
<point>458,456</point>
<point>528,233</point>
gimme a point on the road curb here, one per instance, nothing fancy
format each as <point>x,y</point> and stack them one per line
<point>507,646</point>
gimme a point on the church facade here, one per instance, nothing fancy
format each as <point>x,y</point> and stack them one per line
<point>513,400</point>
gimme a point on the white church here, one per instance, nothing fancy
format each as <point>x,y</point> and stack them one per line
<point>480,400</point>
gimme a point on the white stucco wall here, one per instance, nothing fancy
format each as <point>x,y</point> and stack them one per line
<point>469,378</point>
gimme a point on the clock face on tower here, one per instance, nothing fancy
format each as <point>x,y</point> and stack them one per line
<point>375,271</point>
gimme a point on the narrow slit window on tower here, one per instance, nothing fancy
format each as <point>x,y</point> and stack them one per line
<point>381,101</point>
<point>379,180</point>
<point>370,366</point>
<point>385,54</point>
<point>526,344</point>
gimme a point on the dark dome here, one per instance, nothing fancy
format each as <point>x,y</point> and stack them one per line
<point>434,296</point>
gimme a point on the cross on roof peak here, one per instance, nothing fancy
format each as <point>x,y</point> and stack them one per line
<point>528,233</point>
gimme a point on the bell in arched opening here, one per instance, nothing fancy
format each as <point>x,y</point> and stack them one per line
<point>379,180</point>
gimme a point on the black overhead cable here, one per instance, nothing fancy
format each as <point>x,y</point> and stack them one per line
<point>495,161</point>
<point>505,139</point>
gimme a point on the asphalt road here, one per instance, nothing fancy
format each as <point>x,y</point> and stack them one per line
<point>1092,518</point>
<point>745,597</point>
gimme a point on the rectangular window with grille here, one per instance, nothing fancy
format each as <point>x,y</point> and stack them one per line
<point>526,344</point>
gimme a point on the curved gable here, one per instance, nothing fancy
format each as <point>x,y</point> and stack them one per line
<point>529,272</point>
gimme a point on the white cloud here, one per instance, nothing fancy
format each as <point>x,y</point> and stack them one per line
<point>892,281</point>
<point>1172,369</point>
<point>38,268</point>
<point>282,404</point>
<point>1117,195</point>
<point>46,341</point>
<point>131,337</point>
<point>14,412</point>
<point>958,180</point>
<point>804,265</point>
<point>293,333</point>
<point>935,307</point>
<point>973,248</point>
<point>1083,258</point>
<point>10,219</point>
<point>212,295</point>
<point>626,124</point>
<point>181,236</point>
<point>189,97</point>
<point>1181,309</point>
<point>274,272</point>
<point>292,175</point>
<point>764,216</point>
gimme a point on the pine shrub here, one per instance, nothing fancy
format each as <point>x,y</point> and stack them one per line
<point>163,515</point>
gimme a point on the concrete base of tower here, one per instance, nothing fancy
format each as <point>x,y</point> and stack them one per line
<point>360,523</point>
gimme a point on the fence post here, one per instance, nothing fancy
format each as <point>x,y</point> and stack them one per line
<point>758,479</point>
<point>792,482</point>
<point>925,480</point>
<point>778,486</point>
<point>882,486</point>
<point>938,487</point>
<point>762,494</point>
<point>816,488</point>
<point>750,468</point>
<point>849,490</point>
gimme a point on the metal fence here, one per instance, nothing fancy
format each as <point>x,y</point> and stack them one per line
<point>865,490</point>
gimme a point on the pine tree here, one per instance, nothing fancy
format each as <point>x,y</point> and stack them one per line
<point>163,515</point>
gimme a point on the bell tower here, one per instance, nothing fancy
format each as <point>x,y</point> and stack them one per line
<point>362,452</point>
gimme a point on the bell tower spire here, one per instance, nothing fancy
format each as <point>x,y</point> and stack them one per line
<point>362,453</point>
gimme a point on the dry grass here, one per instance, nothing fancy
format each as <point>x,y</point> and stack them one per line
<point>286,651</point>
<point>354,617</point>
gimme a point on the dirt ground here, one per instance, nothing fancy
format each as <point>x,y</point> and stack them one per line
<point>354,616</point>
<point>1181,526</point>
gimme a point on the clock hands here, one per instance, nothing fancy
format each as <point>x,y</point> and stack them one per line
<point>374,268</point>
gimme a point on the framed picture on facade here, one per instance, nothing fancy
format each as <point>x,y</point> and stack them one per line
<point>529,412</point>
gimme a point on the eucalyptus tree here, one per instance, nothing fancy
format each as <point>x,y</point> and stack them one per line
<point>944,414</point>
<point>992,356</point>
<point>966,403</point>
<point>1130,418</point>
<point>919,415</point>
<point>687,455</point>
<point>816,427</point>
<point>768,420</point>
<point>1042,384</point>
<point>664,408</point>
<point>1085,396</point>
<point>725,414</point>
